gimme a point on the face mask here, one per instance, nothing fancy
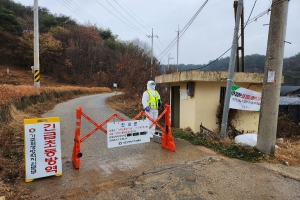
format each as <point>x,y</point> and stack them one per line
<point>152,85</point>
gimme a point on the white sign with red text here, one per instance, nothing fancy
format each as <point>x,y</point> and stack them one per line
<point>244,99</point>
<point>127,133</point>
<point>42,148</point>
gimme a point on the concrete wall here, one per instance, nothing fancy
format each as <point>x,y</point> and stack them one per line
<point>214,76</point>
<point>208,98</point>
<point>202,107</point>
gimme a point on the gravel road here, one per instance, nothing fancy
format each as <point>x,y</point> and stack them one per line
<point>148,171</point>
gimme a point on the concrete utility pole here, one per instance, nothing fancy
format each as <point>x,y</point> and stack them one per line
<point>36,66</point>
<point>177,46</point>
<point>151,36</point>
<point>268,117</point>
<point>231,69</point>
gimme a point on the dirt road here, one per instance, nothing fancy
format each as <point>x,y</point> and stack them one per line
<point>147,171</point>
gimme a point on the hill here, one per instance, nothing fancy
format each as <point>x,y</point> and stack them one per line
<point>72,53</point>
<point>254,64</point>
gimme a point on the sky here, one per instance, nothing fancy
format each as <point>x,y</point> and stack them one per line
<point>207,37</point>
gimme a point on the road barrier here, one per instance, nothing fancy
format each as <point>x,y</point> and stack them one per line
<point>167,140</point>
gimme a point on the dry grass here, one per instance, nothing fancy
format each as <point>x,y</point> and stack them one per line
<point>11,93</point>
<point>288,151</point>
<point>129,108</point>
<point>12,157</point>
<point>12,169</point>
<point>20,100</point>
<point>17,76</point>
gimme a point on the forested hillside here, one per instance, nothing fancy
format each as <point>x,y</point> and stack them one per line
<point>72,52</point>
<point>253,63</point>
<point>90,56</point>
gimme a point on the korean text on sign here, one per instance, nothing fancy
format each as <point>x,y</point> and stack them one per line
<point>42,148</point>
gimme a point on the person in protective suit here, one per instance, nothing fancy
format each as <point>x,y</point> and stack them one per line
<point>151,102</point>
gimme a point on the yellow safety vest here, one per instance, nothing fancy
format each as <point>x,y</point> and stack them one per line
<point>153,100</point>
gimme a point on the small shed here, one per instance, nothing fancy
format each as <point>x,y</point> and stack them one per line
<point>289,106</point>
<point>290,91</point>
<point>196,95</point>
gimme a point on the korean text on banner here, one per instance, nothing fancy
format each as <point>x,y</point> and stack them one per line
<point>244,99</point>
<point>127,133</point>
<point>42,148</point>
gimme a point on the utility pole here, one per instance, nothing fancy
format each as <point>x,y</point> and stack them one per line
<point>177,46</point>
<point>231,70</point>
<point>36,67</point>
<point>151,36</point>
<point>169,61</point>
<point>240,48</point>
<point>268,117</point>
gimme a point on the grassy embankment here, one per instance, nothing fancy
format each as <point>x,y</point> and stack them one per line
<point>16,104</point>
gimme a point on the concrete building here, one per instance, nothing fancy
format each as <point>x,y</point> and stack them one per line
<point>196,95</point>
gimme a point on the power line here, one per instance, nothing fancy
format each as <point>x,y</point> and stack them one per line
<point>259,16</point>
<point>250,14</point>
<point>170,46</point>
<point>160,42</point>
<point>84,12</point>
<point>131,15</point>
<point>78,14</point>
<point>125,18</point>
<point>230,47</point>
<point>215,59</point>
<point>115,15</point>
<point>157,47</point>
<point>136,15</point>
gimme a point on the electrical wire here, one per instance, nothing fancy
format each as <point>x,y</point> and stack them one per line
<point>116,16</point>
<point>266,11</point>
<point>230,47</point>
<point>157,47</point>
<point>136,15</point>
<point>258,16</point>
<point>84,12</point>
<point>171,45</point>
<point>136,28</point>
<point>131,16</point>
<point>78,14</point>
<point>160,42</point>
<point>250,14</point>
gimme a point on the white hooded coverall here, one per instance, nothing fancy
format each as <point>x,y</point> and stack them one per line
<point>153,113</point>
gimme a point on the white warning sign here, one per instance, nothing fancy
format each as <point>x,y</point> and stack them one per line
<point>127,133</point>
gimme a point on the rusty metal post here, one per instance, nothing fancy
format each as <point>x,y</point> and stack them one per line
<point>243,44</point>
<point>240,48</point>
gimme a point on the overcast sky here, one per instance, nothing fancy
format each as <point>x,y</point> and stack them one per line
<point>209,35</point>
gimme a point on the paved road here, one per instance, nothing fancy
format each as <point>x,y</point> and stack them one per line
<point>147,171</point>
